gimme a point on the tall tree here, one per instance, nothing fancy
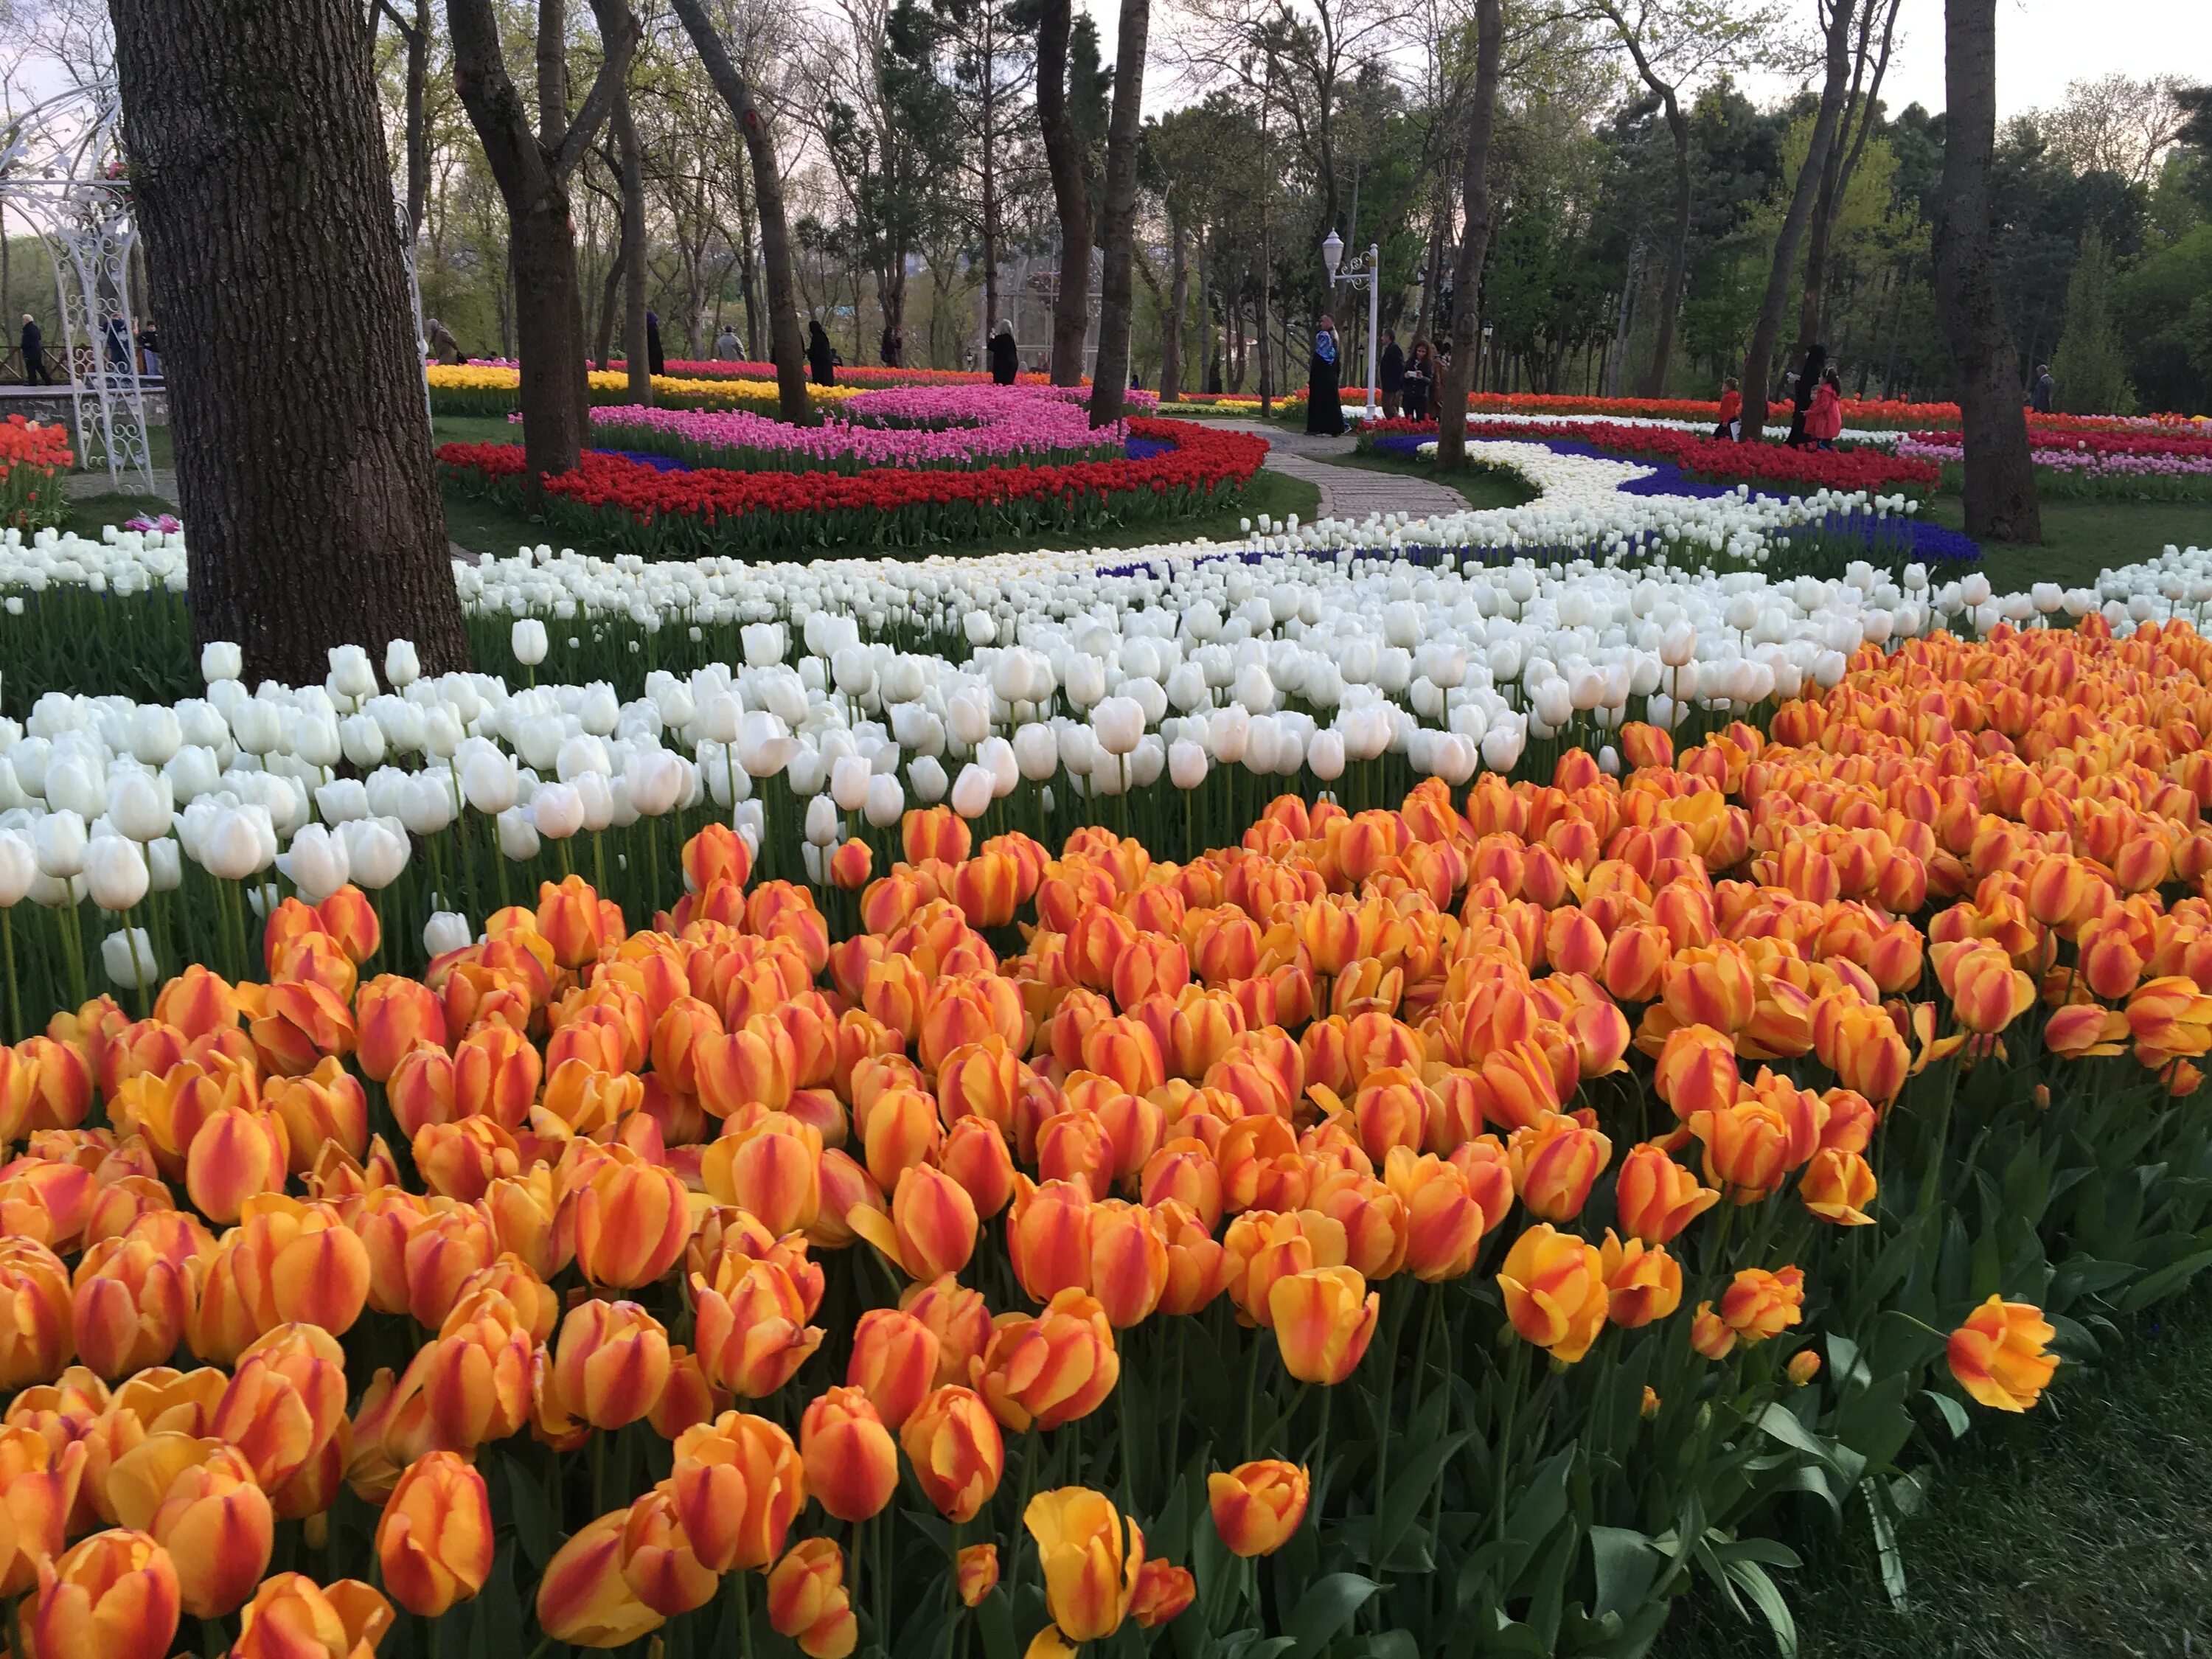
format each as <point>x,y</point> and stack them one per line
<point>992,64</point>
<point>787,347</point>
<point>1854,126</point>
<point>2001,504</point>
<point>1671,43</point>
<point>1124,136</point>
<point>533,166</point>
<point>415,40</point>
<point>1064,155</point>
<point>2089,366</point>
<point>1767,333</point>
<point>264,189</point>
<point>1474,239</point>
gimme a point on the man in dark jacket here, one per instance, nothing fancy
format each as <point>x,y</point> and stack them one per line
<point>1390,375</point>
<point>34,354</point>
<point>1005,356</point>
<point>2039,395</point>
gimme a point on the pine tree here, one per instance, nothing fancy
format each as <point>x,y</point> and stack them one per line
<point>2088,366</point>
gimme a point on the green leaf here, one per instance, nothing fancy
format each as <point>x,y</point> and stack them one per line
<point>1753,1579</point>
<point>1954,1414</point>
<point>2156,1286</point>
<point>1625,1563</point>
<point>995,1620</point>
<point>534,1521</point>
<point>1410,1487</point>
<point>1781,1423</point>
<point>1325,1608</point>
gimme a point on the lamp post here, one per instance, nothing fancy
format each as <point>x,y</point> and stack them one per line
<point>1332,256</point>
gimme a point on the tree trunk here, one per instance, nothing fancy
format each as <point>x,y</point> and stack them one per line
<point>787,344</point>
<point>1474,239</point>
<point>1767,333</point>
<point>1110,383</point>
<point>417,38</point>
<point>603,344</point>
<point>1678,254</point>
<point>1844,153</point>
<point>262,185</point>
<point>2001,504</point>
<point>1070,309</point>
<point>635,355</point>
<point>1178,304</point>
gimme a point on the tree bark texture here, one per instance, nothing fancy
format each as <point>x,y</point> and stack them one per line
<point>1852,130</point>
<point>1474,239</point>
<point>1110,383</point>
<point>634,356</point>
<point>2001,503</point>
<point>1766,332</point>
<point>264,192</point>
<point>414,36</point>
<point>1071,310</point>
<point>1678,253</point>
<point>1171,326</point>
<point>787,344</point>
<point>532,168</point>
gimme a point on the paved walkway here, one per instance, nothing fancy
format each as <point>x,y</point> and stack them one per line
<point>1350,492</point>
<point>82,484</point>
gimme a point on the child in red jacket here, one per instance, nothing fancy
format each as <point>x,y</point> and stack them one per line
<point>1824,421</point>
<point>1731,410</point>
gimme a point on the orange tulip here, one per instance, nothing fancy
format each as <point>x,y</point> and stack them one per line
<point>632,1222</point>
<point>738,1484</point>
<point>851,1462</point>
<point>393,1014</point>
<point>1323,1319</point>
<point>894,1363</point>
<point>1259,1506</point>
<point>1555,1162</point>
<point>612,1362</point>
<point>285,1410</point>
<point>2000,1355</point>
<point>39,1487</point>
<point>130,1307</point>
<point>1656,1197</point>
<point>35,1322</point>
<point>1642,1282</point>
<point>1128,1263</point>
<point>1987,992</point>
<point>434,1541</point>
<point>112,1596</point>
<point>1090,1554</point>
<point>1050,1370</point>
<point>1697,1071</point>
<point>199,1500</point>
<point>238,1153</point>
<point>1838,1186</point>
<point>1555,1290</point>
<point>975,1155</point>
<point>570,920</point>
<point>584,1599</point>
<point>657,1562</point>
<point>807,1602</point>
<point>327,1106</point>
<point>292,1617</point>
<point>1804,1365</point>
<point>931,1229</point>
<point>959,1319</point>
<point>472,1385</point>
<point>751,1334</point>
<point>957,1450</point>
<point>976,1573</point>
<point>1163,1592</point>
<point>1759,1304</point>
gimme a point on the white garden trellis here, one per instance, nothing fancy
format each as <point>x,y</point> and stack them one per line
<point>61,167</point>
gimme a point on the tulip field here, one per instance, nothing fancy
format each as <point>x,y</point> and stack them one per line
<point>1416,1087</point>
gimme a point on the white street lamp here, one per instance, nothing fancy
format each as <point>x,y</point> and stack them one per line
<point>1332,256</point>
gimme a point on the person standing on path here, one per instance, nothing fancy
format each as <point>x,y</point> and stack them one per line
<point>1731,410</point>
<point>819,358</point>
<point>1005,358</point>
<point>2039,395</point>
<point>1390,375</point>
<point>655,363</point>
<point>34,354</point>
<point>1324,408</point>
<point>728,349</point>
<point>1421,380</point>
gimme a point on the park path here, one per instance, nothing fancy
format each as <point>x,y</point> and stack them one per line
<point>1350,492</point>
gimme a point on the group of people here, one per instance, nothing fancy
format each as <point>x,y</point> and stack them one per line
<point>1815,397</point>
<point>117,344</point>
<point>1405,382</point>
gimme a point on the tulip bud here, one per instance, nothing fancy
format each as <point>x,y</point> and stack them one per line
<point>976,1573</point>
<point>957,1450</point>
<point>612,1362</point>
<point>434,1541</point>
<point>807,1601</point>
<point>852,1464</point>
<point>584,1598</point>
<point>112,1596</point>
<point>1090,1554</point>
<point>1258,1506</point>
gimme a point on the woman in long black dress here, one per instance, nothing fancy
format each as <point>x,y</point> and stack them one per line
<point>1808,383</point>
<point>1324,408</point>
<point>1003,362</point>
<point>819,358</point>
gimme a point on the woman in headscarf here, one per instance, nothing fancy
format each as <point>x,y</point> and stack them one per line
<point>655,363</point>
<point>1808,383</point>
<point>1005,359</point>
<point>1324,409</point>
<point>819,358</point>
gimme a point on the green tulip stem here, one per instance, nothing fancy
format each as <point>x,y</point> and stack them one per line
<point>740,1586</point>
<point>14,998</point>
<point>138,974</point>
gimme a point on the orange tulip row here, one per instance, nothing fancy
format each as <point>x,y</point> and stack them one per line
<point>1335,1055</point>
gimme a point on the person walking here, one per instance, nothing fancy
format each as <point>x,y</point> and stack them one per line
<point>819,358</point>
<point>2039,395</point>
<point>118,346</point>
<point>149,350</point>
<point>1731,426</point>
<point>34,354</point>
<point>1809,385</point>
<point>728,349</point>
<point>1324,407</point>
<point>892,347</point>
<point>1419,381</point>
<point>1824,420</point>
<point>1006,356</point>
<point>1390,375</point>
<point>655,363</point>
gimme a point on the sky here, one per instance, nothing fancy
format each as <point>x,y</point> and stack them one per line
<point>2043,43</point>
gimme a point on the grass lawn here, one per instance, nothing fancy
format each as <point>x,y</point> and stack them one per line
<point>89,515</point>
<point>2081,539</point>
<point>2079,1531</point>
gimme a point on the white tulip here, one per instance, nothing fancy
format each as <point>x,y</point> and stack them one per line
<point>848,783</point>
<point>156,733</point>
<point>971,791</point>
<point>59,839</point>
<point>351,675</point>
<point>489,779</point>
<point>401,667</point>
<point>221,660</point>
<point>19,867</point>
<point>428,805</point>
<point>528,640</point>
<point>376,851</point>
<point>140,803</point>
<point>926,775</point>
<point>517,836</point>
<point>238,843</point>
<point>445,930</point>
<point>885,803</point>
<point>556,811</point>
<point>164,863</point>
<point>595,796</point>
<point>1118,723</point>
<point>317,863</point>
<point>115,872</point>
<point>128,957</point>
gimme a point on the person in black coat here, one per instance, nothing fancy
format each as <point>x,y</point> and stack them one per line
<point>1808,382</point>
<point>1324,408</point>
<point>1421,380</point>
<point>34,354</point>
<point>1005,359</point>
<point>2039,395</point>
<point>892,347</point>
<point>1390,375</point>
<point>655,363</point>
<point>819,358</point>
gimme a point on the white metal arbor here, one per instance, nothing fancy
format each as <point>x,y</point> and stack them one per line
<point>61,166</point>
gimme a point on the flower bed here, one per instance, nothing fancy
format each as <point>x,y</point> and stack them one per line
<point>1486,1211</point>
<point>1716,461</point>
<point>662,514</point>
<point>956,428</point>
<point>2077,463</point>
<point>495,389</point>
<point>34,458</point>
